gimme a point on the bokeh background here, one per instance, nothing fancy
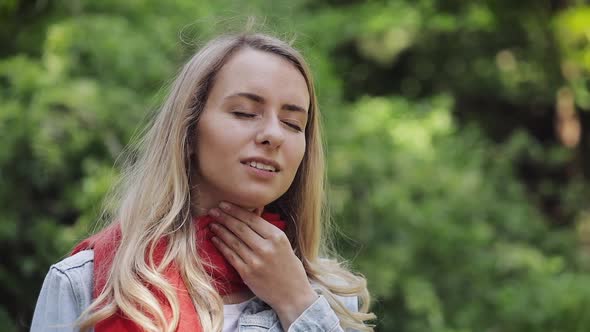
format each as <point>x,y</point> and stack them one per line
<point>457,141</point>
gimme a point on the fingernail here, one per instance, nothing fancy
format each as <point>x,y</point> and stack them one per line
<point>214,212</point>
<point>224,206</point>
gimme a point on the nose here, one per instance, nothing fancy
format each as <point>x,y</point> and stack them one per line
<point>271,134</point>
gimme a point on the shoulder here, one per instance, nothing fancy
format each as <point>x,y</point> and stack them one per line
<point>350,302</point>
<point>83,260</point>
<point>76,273</point>
<point>78,269</point>
<point>337,275</point>
<point>66,291</point>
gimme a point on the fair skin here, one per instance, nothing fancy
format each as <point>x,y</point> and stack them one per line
<point>254,119</point>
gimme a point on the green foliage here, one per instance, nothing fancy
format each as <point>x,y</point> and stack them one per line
<point>447,237</point>
<point>572,29</point>
<point>452,194</point>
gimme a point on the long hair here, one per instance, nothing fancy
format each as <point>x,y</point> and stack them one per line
<point>155,203</point>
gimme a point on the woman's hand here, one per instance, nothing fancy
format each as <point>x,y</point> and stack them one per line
<point>262,255</point>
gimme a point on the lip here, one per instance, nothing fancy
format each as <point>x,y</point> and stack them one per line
<point>270,162</point>
<point>259,173</point>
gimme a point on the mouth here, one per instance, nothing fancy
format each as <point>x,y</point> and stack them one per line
<point>262,164</point>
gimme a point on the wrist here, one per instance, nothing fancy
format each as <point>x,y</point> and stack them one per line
<point>293,307</point>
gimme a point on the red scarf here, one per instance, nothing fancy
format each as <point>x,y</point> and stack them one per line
<point>226,279</point>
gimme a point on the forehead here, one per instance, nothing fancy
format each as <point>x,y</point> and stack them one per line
<point>264,73</point>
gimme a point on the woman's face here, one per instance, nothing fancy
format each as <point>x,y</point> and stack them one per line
<point>251,134</point>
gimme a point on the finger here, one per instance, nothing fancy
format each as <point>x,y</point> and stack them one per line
<point>234,259</point>
<point>258,211</point>
<point>241,229</point>
<point>256,223</point>
<point>232,241</point>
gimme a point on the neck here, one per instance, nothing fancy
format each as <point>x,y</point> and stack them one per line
<point>199,211</point>
<point>202,202</point>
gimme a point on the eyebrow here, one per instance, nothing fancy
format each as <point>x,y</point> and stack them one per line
<point>260,100</point>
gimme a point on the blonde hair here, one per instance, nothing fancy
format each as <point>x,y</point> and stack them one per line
<point>155,203</point>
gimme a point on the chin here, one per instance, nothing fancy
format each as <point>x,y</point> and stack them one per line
<point>252,199</point>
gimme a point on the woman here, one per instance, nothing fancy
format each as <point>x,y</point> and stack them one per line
<point>219,224</point>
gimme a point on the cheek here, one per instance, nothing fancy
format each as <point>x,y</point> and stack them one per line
<point>297,154</point>
<point>213,149</point>
<point>213,137</point>
<point>209,145</point>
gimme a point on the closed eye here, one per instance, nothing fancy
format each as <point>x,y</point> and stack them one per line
<point>243,115</point>
<point>252,115</point>
<point>294,126</point>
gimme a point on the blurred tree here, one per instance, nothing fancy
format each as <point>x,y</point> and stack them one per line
<point>448,238</point>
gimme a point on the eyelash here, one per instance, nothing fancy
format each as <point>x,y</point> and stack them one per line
<point>244,115</point>
<point>250,116</point>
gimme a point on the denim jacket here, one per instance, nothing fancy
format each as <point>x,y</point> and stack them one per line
<point>67,291</point>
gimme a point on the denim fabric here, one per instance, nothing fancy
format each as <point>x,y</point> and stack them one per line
<point>67,291</point>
